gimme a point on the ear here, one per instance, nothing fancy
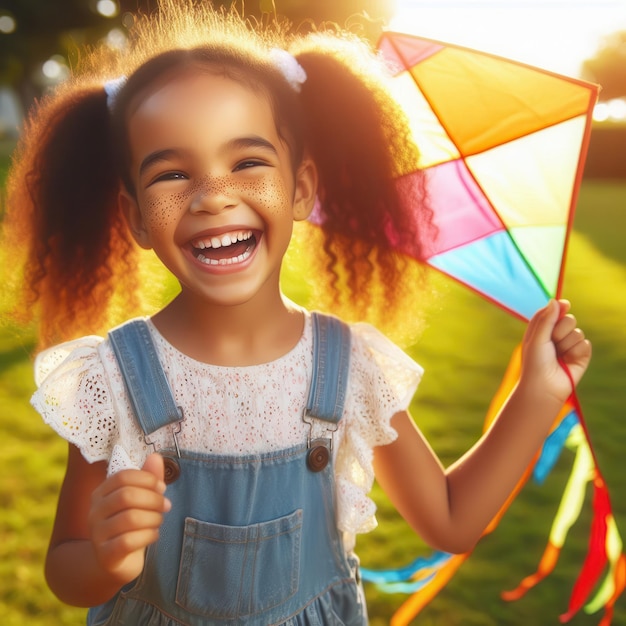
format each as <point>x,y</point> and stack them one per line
<point>305,191</point>
<point>134,219</point>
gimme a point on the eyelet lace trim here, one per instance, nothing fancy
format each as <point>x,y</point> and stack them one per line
<point>232,410</point>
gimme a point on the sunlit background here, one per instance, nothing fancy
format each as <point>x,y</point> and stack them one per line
<point>585,39</point>
<point>39,40</point>
<point>564,36</point>
<point>555,34</point>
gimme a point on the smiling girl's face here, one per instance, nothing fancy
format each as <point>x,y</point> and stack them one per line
<point>216,194</point>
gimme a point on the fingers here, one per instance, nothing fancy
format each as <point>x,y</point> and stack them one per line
<point>136,479</point>
<point>552,323</point>
<point>575,347</point>
<point>572,348</point>
<point>126,513</point>
<point>563,327</point>
<point>553,332</point>
<point>127,501</point>
<point>112,552</point>
<point>566,335</point>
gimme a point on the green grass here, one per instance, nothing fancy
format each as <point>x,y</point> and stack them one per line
<point>464,350</point>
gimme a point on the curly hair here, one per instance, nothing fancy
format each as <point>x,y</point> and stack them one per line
<point>77,266</point>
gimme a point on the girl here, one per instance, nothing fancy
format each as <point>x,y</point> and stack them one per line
<point>221,451</point>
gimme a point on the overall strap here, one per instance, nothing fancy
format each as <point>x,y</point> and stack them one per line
<point>331,363</point>
<point>152,399</point>
<point>149,392</point>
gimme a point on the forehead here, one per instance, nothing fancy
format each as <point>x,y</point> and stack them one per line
<point>199,105</point>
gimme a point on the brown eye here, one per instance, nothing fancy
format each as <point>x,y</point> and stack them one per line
<point>169,176</point>
<point>244,165</point>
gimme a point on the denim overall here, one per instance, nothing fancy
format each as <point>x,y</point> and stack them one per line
<point>250,540</point>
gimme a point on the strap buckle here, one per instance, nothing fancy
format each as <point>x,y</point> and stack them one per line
<point>330,427</point>
<point>319,448</point>
<point>175,428</point>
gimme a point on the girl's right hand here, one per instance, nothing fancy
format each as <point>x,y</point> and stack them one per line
<point>126,513</point>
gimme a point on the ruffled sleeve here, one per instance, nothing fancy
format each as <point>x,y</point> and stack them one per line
<point>383,380</point>
<point>76,397</point>
<point>72,397</point>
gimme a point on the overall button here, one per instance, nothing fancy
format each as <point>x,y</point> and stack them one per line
<point>172,469</point>
<point>317,458</point>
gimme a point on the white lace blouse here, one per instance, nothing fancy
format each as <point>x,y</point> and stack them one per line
<point>232,410</point>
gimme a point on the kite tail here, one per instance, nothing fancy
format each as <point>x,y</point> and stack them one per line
<point>615,581</point>
<point>605,544</point>
<point>431,574</point>
<point>416,602</point>
<point>567,514</point>
<point>597,555</point>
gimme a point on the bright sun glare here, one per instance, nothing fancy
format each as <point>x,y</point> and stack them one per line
<point>557,35</point>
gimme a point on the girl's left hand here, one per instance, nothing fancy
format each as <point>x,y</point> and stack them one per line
<point>551,343</point>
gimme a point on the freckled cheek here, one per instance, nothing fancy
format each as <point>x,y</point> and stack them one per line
<point>271,194</point>
<point>161,212</point>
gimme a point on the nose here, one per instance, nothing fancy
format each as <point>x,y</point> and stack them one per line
<point>213,194</point>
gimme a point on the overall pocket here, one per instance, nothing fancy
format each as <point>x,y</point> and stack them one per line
<point>228,572</point>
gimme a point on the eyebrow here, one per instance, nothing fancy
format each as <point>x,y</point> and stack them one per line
<point>155,157</point>
<point>252,141</point>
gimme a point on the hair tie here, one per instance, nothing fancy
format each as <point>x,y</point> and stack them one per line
<point>289,67</point>
<point>112,89</point>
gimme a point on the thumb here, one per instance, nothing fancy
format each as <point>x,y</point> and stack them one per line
<point>564,307</point>
<point>542,323</point>
<point>154,465</point>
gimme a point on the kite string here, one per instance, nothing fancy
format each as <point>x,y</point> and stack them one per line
<point>576,403</point>
<point>572,396</point>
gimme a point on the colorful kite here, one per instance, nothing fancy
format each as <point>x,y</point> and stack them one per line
<point>503,146</point>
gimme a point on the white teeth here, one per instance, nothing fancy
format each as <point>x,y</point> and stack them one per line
<point>223,240</point>
<point>230,261</point>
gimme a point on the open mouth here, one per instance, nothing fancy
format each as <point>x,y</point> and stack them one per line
<point>225,249</point>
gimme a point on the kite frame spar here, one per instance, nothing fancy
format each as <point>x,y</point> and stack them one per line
<point>425,577</point>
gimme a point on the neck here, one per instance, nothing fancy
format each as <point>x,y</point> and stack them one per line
<point>245,334</point>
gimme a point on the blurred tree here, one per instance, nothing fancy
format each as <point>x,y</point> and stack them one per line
<point>364,16</point>
<point>44,29</point>
<point>608,67</point>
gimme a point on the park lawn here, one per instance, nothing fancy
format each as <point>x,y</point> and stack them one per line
<point>464,349</point>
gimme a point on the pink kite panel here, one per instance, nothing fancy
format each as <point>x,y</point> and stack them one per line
<point>404,52</point>
<point>462,214</point>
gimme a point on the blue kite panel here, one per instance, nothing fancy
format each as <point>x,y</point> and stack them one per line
<point>494,267</point>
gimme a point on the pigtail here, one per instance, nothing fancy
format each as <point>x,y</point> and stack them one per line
<point>63,225</point>
<point>360,140</point>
